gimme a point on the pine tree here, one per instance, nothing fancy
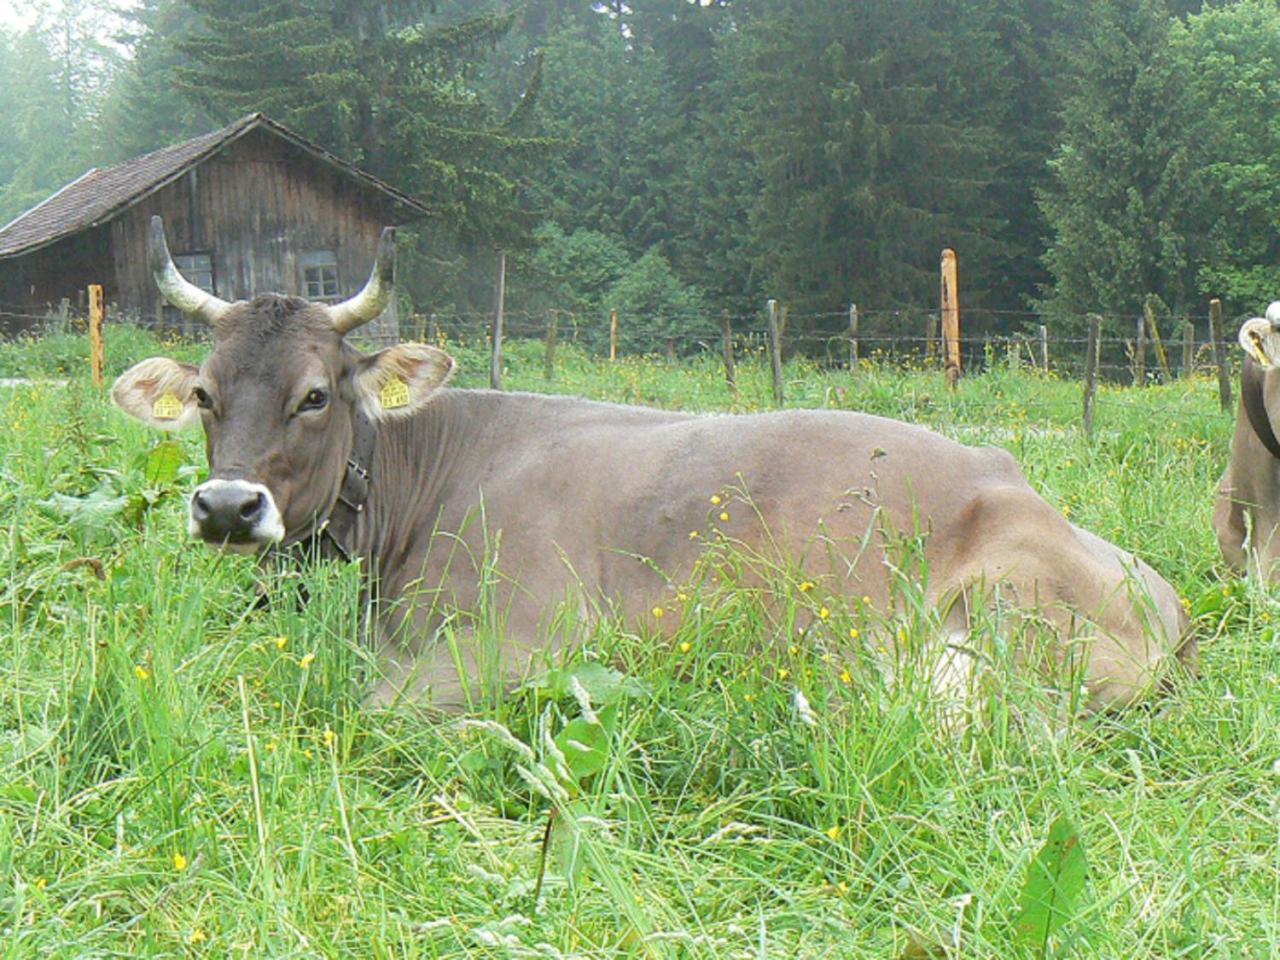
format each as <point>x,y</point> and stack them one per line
<point>1121,201</point>
<point>380,86</point>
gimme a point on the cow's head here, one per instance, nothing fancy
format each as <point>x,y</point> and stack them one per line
<point>277,398</point>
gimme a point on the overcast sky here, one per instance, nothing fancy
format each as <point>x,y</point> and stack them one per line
<point>15,16</point>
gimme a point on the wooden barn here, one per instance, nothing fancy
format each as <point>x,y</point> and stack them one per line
<point>250,208</point>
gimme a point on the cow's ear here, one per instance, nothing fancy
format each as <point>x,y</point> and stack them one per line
<point>158,392</point>
<point>1261,340</point>
<point>400,380</point>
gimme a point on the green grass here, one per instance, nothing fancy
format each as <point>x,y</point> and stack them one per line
<point>182,774</point>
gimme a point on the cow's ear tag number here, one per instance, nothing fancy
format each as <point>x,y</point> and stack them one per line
<point>167,407</point>
<point>394,393</point>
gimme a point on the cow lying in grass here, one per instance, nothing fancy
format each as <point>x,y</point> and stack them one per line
<point>311,441</point>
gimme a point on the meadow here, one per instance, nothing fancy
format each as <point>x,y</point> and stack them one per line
<point>186,772</point>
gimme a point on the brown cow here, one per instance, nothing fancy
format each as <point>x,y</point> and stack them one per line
<point>601,505</point>
<point>1246,517</point>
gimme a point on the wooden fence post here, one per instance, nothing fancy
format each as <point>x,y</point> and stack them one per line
<point>1091,371</point>
<point>1044,347</point>
<point>951,316</point>
<point>95,332</point>
<point>775,352</point>
<point>549,362</point>
<point>613,334</point>
<point>1140,354</point>
<point>853,339</point>
<point>433,328</point>
<point>1188,349</point>
<point>495,367</point>
<point>726,347</point>
<point>1220,354</point>
<point>1153,329</point>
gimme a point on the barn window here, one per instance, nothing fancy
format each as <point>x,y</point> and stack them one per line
<point>198,268</point>
<point>319,275</point>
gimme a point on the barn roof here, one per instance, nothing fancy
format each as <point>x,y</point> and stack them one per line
<point>100,195</point>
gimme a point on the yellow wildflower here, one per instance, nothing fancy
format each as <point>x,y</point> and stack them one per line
<point>793,649</point>
<point>749,698</point>
<point>823,613</point>
<point>853,633</point>
<point>806,586</point>
<point>657,611</point>
<point>306,660</point>
<point>724,515</point>
<point>694,534</point>
<point>328,737</point>
<point>141,672</point>
<point>685,647</point>
<point>280,642</point>
<point>715,499</point>
<point>846,676</point>
<point>196,936</point>
<point>41,883</point>
<point>179,862</point>
<point>783,673</point>
<point>834,832</point>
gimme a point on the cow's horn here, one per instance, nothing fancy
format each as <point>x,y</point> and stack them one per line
<point>375,296</point>
<point>176,288</point>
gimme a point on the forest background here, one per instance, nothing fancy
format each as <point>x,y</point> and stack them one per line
<point>675,159</point>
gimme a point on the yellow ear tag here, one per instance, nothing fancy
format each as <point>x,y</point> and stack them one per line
<point>394,393</point>
<point>167,407</point>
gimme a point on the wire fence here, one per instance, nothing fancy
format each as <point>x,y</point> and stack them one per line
<point>830,340</point>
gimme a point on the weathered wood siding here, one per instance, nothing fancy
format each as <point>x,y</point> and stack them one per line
<point>255,207</point>
<point>30,285</point>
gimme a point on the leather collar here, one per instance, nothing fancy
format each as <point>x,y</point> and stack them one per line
<point>331,535</point>
<point>1251,380</point>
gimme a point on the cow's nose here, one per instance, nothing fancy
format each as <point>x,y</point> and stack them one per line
<point>231,511</point>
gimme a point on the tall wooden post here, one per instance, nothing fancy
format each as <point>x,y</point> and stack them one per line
<point>1091,371</point>
<point>726,347</point>
<point>495,367</point>
<point>1157,343</point>
<point>1220,354</point>
<point>549,364</point>
<point>613,335</point>
<point>853,338</point>
<point>1188,349</point>
<point>1044,347</point>
<point>951,316</point>
<point>95,332</point>
<point>775,352</point>
<point>1140,354</point>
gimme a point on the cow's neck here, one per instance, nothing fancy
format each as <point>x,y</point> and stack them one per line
<point>414,463</point>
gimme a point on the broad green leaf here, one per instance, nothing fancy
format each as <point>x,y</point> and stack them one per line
<point>603,684</point>
<point>1051,893</point>
<point>92,510</point>
<point>585,746</point>
<point>163,462</point>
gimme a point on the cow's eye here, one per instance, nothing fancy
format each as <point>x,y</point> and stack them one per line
<point>314,400</point>
<point>203,400</point>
